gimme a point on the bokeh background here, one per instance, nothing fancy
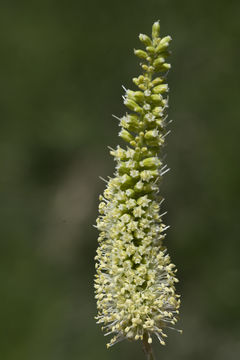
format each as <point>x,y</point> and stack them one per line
<point>62,65</point>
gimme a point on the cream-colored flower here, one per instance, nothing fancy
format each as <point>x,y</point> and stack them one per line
<point>135,278</point>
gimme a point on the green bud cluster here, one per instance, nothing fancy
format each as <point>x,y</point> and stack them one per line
<point>135,278</point>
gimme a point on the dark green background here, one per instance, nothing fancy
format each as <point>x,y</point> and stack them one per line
<point>62,64</point>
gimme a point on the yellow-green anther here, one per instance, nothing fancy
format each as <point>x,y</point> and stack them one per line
<point>135,279</point>
<point>140,53</point>
<point>145,39</point>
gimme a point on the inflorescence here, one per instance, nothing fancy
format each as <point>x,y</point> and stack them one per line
<point>135,278</point>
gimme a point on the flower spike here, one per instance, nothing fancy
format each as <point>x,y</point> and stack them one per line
<point>135,279</point>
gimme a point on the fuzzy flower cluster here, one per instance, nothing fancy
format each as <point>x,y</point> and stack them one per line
<point>134,283</point>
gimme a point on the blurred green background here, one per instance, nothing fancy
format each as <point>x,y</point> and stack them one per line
<point>62,65</point>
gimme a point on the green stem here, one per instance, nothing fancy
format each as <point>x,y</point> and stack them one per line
<point>147,348</point>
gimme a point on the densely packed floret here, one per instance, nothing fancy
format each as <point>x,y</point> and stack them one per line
<point>135,278</point>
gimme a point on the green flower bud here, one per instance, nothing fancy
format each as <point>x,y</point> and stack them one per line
<point>156,81</point>
<point>145,39</point>
<point>157,111</point>
<point>151,162</point>
<point>132,105</point>
<point>151,134</point>
<point>166,66</point>
<point>158,62</point>
<point>147,175</point>
<point>160,122</point>
<point>130,193</point>
<point>125,179</point>
<point>142,87</point>
<point>130,122</point>
<point>140,82</point>
<point>160,89</point>
<point>149,117</point>
<point>140,53</point>
<point>119,153</point>
<point>139,186</point>
<point>135,95</point>
<point>145,67</point>
<point>156,30</point>
<point>134,119</point>
<point>151,50</point>
<point>156,98</point>
<point>135,81</point>
<point>125,135</point>
<point>164,43</point>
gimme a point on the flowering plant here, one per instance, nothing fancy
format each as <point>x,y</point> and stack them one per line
<point>135,278</point>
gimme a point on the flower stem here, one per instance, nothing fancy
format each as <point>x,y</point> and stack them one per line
<point>147,348</point>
